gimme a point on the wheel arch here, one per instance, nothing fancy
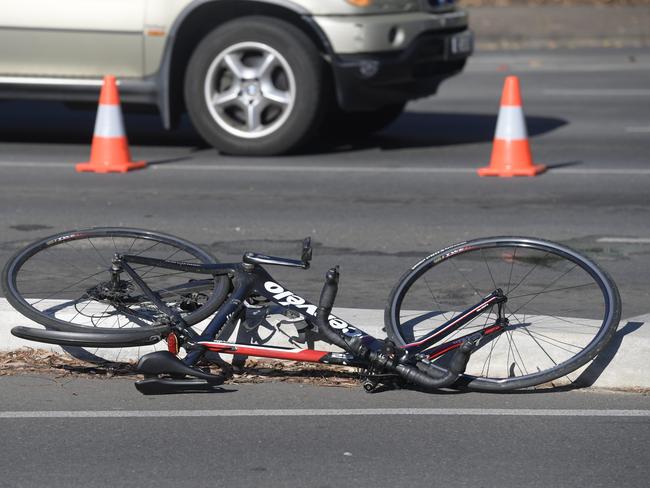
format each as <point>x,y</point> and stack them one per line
<point>201,17</point>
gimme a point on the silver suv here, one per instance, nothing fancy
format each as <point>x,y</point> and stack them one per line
<point>256,76</point>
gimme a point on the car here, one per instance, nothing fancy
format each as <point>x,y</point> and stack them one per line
<point>257,77</point>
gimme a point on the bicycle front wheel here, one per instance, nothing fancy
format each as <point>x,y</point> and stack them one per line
<point>64,281</point>
<point>562,309</point>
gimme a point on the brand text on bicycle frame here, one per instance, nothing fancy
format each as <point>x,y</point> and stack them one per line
<point>290,299</point>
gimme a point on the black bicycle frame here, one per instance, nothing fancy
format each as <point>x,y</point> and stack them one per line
<point>253,280</point>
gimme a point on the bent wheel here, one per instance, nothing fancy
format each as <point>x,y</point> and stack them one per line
<point>65,282</point>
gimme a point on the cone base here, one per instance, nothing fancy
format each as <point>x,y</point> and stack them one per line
<point>531,170</point>
<point>110,155</point>
<point>91,167</point>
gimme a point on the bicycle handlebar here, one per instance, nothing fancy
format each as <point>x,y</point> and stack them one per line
<point>419,372</point>
<point>330,289</point>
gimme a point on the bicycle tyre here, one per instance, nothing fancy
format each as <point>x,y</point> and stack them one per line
<point>83,257</point>
<point>574,336</point>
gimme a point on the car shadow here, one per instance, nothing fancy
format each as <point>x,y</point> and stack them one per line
<point>56,123</point>
<point>436,129</point>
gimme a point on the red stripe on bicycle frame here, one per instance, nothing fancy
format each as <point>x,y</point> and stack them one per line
<point>440,353</point>
<point>454,345</point>
<point>308,355</point>
<point>491,330</point>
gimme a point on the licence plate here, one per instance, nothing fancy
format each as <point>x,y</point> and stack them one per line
<point>462,43</point>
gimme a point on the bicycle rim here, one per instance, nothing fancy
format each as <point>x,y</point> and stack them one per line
<point>562,308</point>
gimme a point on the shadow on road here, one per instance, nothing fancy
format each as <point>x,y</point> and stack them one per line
<point>445,129</point>
<point>432,129</point>
<point>54,122</point>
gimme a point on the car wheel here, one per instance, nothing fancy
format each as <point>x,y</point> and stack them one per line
<point>254,86</point>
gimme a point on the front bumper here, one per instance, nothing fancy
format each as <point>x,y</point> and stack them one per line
<point>368,81</point>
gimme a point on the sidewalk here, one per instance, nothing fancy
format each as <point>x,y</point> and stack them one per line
<point>624,365</point>
<point>559,26</point>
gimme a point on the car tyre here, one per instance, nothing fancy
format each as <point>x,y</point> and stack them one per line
<point>254,86</point>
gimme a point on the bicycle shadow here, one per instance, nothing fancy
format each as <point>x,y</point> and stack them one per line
<point>589,375</point>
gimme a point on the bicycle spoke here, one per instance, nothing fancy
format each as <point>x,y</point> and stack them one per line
<point>80,312</point>
<point>529,273</point>
<point>554,342</point>
<point>550,284</point>
<point>434,297</point>
<point>467,280</point>
<point>65,289</point>
<point>566,320</point>
<point>98,253</point>
<point>553,291</point>
<point>489,270</point>
<point>512,267</point>
<point>522,362</point>
<point>488,360</point>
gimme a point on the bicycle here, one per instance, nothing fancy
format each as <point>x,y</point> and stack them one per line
<point>489,314</point>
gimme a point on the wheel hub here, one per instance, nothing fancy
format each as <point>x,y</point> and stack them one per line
<point>251,93</point>
<point>111,291</point>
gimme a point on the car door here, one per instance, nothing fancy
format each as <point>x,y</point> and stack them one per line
<point>72,38</point>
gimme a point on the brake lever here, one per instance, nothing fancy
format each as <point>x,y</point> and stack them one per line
<point>306,252</point>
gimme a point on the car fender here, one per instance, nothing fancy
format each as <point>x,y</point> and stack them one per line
<point>163,75</point>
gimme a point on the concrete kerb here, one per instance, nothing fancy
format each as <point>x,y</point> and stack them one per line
<point>624,364</point>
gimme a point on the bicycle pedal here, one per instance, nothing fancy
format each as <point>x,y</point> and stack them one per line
<point>165,386</point>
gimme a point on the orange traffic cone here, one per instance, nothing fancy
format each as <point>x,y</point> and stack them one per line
<point>110,148</point>
<point>511,151</point>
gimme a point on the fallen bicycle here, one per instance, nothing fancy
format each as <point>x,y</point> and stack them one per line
<point>490,314</point>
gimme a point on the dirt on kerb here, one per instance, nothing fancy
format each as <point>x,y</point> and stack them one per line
<point>39,361</point>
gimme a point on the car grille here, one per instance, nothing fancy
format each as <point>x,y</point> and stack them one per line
<point>429,48</point>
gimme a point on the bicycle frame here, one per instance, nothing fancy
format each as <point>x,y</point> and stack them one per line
<point>253,280</point>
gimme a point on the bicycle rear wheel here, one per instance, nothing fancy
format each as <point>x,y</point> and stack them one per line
<point>64,281</point>
<point>561,307</point>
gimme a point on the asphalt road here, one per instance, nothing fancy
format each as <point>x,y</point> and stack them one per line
<point>374,206</point>
<point>97,433</point>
